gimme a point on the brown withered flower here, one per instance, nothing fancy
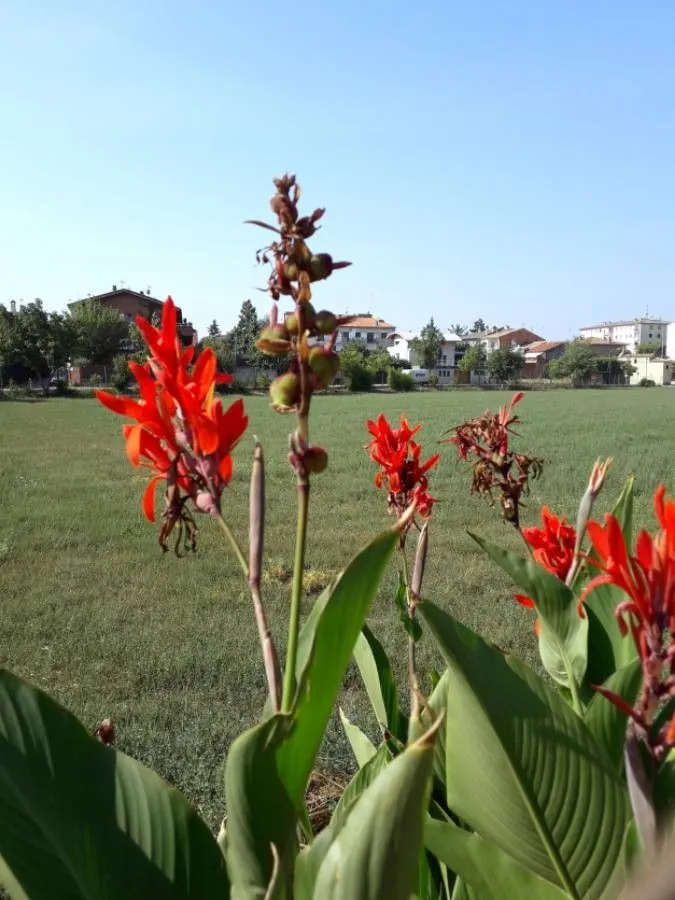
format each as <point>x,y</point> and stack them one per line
<point>496,468</point>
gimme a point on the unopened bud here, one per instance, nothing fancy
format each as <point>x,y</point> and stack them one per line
<point>315,460</point>
<point>320,266</point>
<point>105,731</point>
<point>285,391</point>
<point>325,364</point>
<point>274,340</point>
<point>598,475</point>
<point>326,322</point>
<point>308,320</point>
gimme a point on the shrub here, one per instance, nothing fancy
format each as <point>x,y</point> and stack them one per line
<point>95,380</point>
<point>400,381</point>
<point>647,382</point>
<point>263,382</point>
<point>433,381</point>
<point>360,378</point>
<point>120,377</point>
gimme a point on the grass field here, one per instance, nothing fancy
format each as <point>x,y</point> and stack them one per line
<point>93,612</point>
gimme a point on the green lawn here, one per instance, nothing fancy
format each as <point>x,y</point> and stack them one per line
<point>93,612</point>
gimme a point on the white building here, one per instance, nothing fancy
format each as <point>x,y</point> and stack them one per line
<point>399,348</point>
<point>670,341</point>
<point>373,332</point>
<point>630,334</point>
<point>660,371</point>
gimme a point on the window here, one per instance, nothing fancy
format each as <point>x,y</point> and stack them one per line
<point>370,337</point>
<point>357,334</point>
<point>444,358</point>
<point>345,335</point>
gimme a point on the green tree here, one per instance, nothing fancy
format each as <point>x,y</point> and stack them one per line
<point>474,360</point>
<point>379,363</point>
<point>428,345</point>
<point>651,348</point>
<point>214,329</point>
<point>244,335</point>
<point>458,329</point>
<point>98,331</point>
<point>479,327</point>
<point>577,363</point>
<point>354,367</point>
<point>224,351</point>
<point>505,365</point>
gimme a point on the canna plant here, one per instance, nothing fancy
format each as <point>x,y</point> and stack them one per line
<point>499,782</point>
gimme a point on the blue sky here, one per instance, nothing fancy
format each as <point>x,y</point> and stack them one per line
<point>508,160</point>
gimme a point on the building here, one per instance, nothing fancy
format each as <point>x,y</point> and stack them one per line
<point>603,347</point>
<point>131,304</point>
<point>448,357</point>
<point>670,340</point>
<point>660,371</point>
<point>538,355</point>
<point>629,333</point>
<point>504,339</point>
<point>373,332</point>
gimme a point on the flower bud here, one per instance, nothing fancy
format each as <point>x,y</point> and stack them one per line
<point>325,364</point>
<point>285,391</point>
<point>326,322</point>
<point>274,340</point>
<point>315,460</point>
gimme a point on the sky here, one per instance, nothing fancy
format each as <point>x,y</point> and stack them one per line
<point>513,161</point>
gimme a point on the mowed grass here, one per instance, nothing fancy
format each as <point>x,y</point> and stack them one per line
<point>94,613</point>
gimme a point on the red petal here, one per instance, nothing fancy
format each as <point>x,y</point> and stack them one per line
<point>123,406</point>
<point>524,601</point>
<point>149,499</point>
<point>225,469</point>
<point>133,444</point>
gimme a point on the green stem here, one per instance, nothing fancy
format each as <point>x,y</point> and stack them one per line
<point>296,594</point>
<point>413,682</point>
<point>227,531</point>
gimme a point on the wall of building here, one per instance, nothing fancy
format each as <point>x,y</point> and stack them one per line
<point>660,371</point>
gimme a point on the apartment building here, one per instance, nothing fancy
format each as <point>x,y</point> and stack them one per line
<point>629,333</point>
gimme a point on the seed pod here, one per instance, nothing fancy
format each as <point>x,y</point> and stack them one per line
<point>285,391</point>
<point>325,364</point>
<point>315,460</point>
<point>308,320</point>
<point>326,322</point>
<point>274,340</point>
<point>320,266</point>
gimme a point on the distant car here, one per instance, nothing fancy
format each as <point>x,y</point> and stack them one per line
<point>419,375</point>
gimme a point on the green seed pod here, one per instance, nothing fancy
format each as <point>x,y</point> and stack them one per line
<point>285,391</point>
<point>326,322</point>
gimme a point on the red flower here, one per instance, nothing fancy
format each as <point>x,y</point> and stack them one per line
<point>401,471</point>
<point>181,432</point>
<point>552,548</point>
<point>647,577</point>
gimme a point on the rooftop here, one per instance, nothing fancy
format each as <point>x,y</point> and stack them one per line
<point>645,320</point>
<point>542,346</point>
<point>364,320</point>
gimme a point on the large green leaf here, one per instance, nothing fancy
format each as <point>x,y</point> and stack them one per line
<point>261,815</point>
<point>433,709</point>
<point>80,820</point>
<point>380,683</point>
<point>606,721</point>
<point>376,853</point>
<point>493,874</point>
<point>325,647</point>
<point>362,747</point>
<point>523,770</point>
<point>563,632</point>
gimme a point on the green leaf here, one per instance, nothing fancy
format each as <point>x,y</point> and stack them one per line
<point>356,787</point>
<point>379,682</point>
<point>376,853</point>
<point>260,812</point>
<point>325,646</point>
<point>563,632</point>
<point>362,746</point>
<point>493,874</point>
<point>523,770</point>
<point>623,509</point>
<point>607,722</point>
<point>81,820</point>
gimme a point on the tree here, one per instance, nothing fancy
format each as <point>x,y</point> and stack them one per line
<point>379,363</point>
<point>652,348</point>
<point>505,365</point>
<point>224,351</point>
<point>458,329</point>
<point>479,327</point>
<point>214,329</point>
<point>428,345</point>
<point>244,335</point>
<point>354,367</point>
<point>474,359</point>
<point>577,363</point>
<point>98,331</point>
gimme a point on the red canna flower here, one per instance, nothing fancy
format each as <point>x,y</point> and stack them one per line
<point>181,432</point>
<point>401,473</point>
<point>552,547</point>
<point>647,577</point>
